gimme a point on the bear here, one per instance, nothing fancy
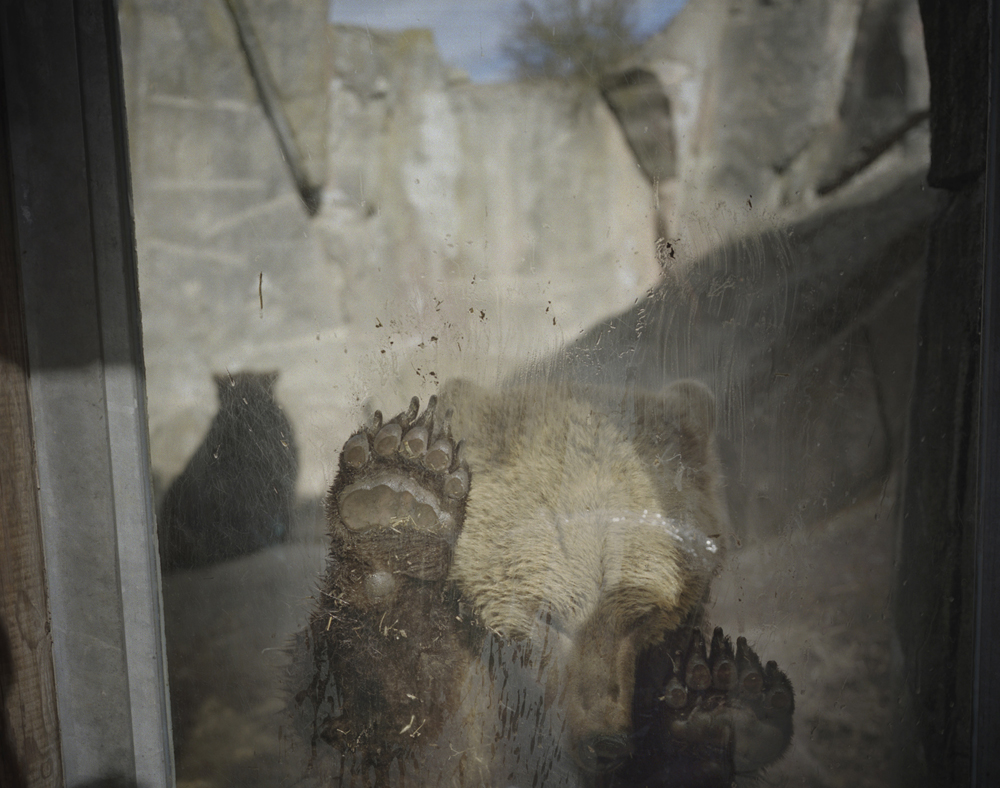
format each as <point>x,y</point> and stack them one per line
<point>236,495</point>
<point>514,596</point>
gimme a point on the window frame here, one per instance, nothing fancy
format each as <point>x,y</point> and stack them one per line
<point>75,259</point>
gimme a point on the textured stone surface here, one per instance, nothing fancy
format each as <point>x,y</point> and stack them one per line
<point>776,104</point>
<point>502,218</point>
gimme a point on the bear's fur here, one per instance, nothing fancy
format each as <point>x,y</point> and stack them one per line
<point>593,517</point>
<point>499,567</point>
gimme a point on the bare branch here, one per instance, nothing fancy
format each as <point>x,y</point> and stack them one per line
<point>572,39</point>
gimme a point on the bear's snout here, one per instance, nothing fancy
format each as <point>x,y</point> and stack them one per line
<point>601,685</point>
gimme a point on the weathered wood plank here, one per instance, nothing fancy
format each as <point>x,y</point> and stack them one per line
<point>29,730</point>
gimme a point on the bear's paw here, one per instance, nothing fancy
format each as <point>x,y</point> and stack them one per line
<point>707,716</point>
<point>399,499</point>
<point>378,669</point>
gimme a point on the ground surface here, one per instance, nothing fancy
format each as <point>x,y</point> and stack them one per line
<point>816,600</point>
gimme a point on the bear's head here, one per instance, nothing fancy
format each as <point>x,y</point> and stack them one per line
<point>593,527</point>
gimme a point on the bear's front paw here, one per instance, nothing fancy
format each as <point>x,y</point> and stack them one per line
<point>379,665</point>
<point>400,497</point>
<point>711,715</point>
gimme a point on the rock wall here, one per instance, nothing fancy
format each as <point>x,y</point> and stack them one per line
<point>443,196</point>
<point>460,224</point>
<point>218,222</point>
<point>779,105</point>
<point>465,227</point>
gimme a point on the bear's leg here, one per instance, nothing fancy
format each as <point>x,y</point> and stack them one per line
<point>704,718</point>
<point>376,670</point>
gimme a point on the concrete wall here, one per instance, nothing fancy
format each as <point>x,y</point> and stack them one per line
<point>779,107</point>
<point>462,226</point>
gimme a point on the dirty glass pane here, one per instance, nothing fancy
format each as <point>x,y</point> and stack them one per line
<point>653,272</point>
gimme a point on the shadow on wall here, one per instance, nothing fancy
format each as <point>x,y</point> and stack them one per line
<point>806,337</point>
<point>237,493</point>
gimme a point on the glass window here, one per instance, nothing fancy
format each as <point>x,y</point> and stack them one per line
<point>687,265</point>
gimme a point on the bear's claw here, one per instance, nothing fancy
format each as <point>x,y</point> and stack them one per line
<point>708,715</point>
